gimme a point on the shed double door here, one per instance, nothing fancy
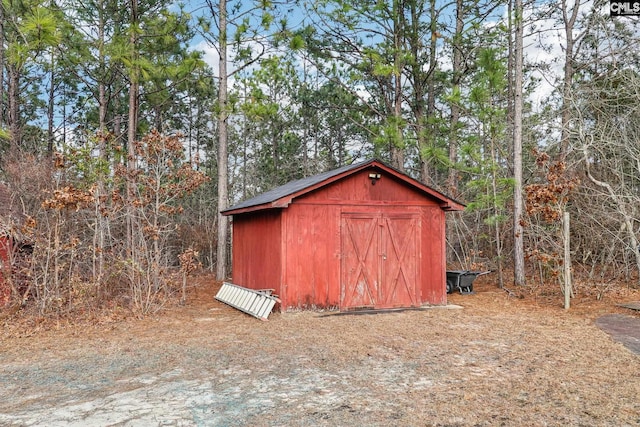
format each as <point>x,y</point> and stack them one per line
<point>380,260</point>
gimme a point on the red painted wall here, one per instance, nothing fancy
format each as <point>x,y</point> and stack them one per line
<point>434,262</point>
<point>312,267</point>
<point>357,189</point>
<point>298,250</point>
<point>257,250</point>
<point>312,232</point>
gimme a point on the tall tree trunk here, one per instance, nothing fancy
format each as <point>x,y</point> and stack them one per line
<point>117,120</point>
<point>51,105</point>
<point>418,107</point>
<point>427,171</point>
<point>397,149</point>
<point>102,108</point>
<point>566,263</point>
<point>223,114</point>
<point>14,107</point>
<point>2,67</point>
<point>101,221</point>
<point>569,19</point>
<point>132,125</point>
<point>102,95</point>
<point>510,75</point>
<point>496,209</point>
<point>518,237</point>
<point>452,178</point>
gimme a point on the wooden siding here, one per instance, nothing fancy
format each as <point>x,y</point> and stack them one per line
<point>434,263</point>
<point>257,250</point>
<point>388,190</point>
<point>302,250</point>
<point>312,272</point>
<point>313,258</point>
<point>380,259</point>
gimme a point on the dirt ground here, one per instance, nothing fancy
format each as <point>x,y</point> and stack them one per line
<point>490,359</point>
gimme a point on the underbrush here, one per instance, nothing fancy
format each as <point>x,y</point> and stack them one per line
<point>87,306</point>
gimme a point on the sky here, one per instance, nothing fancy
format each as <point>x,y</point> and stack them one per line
<point>544,45</point>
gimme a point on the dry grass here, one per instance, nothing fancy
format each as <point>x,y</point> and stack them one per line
<point>500,360</point>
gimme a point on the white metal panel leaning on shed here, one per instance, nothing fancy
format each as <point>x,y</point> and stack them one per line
<point>257,303</point>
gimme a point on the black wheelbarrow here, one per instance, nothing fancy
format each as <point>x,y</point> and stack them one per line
<point>462,280</point>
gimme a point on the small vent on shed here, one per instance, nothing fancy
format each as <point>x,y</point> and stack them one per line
<point>257,303</point>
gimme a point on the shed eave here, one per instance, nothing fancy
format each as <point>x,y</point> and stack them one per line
<point>248,209</point>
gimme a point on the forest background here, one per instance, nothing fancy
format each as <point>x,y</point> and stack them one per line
<point>128,125</point>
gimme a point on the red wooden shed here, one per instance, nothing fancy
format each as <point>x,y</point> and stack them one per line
<point>361,236</point>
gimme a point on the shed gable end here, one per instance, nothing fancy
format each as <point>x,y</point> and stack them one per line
<point>374,171</point>
<point>359,188</point>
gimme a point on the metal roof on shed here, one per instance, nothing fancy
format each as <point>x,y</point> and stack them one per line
<point>281,196</point>
<point>291,188</point>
